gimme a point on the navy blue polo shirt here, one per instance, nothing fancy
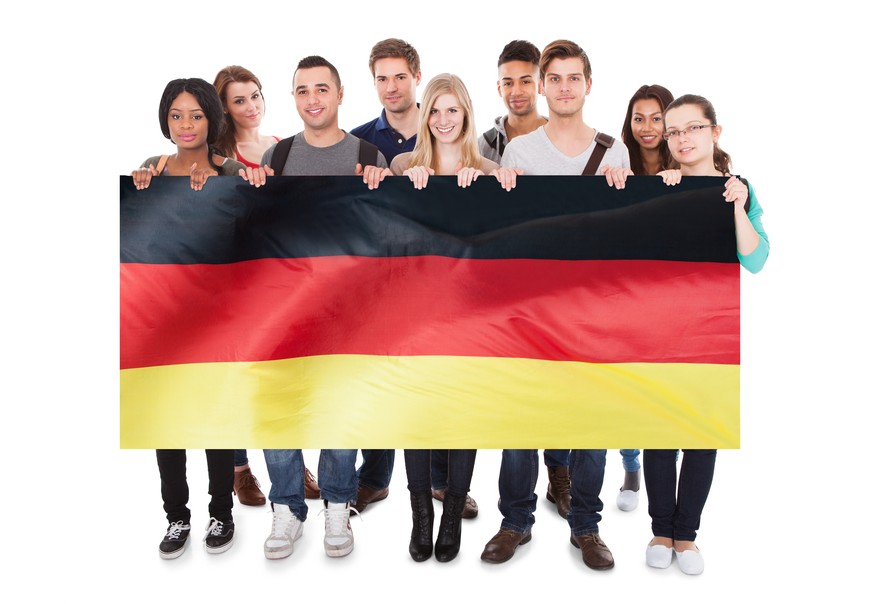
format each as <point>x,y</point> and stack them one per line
<point>390,142</point>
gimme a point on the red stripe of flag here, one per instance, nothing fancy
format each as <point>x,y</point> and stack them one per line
<point>592,310</point>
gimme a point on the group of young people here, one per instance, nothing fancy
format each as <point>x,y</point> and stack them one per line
<point>216,132</point>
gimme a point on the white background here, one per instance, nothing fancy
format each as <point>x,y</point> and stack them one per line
<point>788,514</point>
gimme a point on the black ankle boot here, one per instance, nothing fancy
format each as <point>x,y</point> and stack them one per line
<point>421,542</point>
<point>448,542</point>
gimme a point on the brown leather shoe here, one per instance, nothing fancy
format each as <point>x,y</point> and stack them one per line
<point>471,508</point>
<point>247,488</point>
<point>310,485</point>
<point>559,489</point>
<point>366,496</point>
<point>503,545</point>
<point>595,553</point>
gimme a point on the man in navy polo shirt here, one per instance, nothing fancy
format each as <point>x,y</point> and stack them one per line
<point>396,71</point>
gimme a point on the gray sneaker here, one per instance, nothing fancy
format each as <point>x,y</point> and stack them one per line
<point>338,538</point>
<point>287,528</point>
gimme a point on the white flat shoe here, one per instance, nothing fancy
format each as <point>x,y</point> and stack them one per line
<point>659,556</point>
<point>690,562</point>
<point>627,500</point>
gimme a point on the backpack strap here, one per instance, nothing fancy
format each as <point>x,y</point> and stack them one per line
<point>495,140</point>
<point>162,163</point>
<point>604,142</point>
<point>280,154</point>
<point>368,154</point>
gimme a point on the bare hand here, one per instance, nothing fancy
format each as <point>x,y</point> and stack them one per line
<point>256,176</point>
<point>467,175</point>
<point>199,176</point>
<point>142,177</point>
<point>372,175</point>
<point>418,175</point>
<point>735,190</point>
<point>507,176</point>
<point>671,177</point>
<point>616,177</point>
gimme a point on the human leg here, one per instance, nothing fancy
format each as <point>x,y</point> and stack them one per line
<point>518,476</point>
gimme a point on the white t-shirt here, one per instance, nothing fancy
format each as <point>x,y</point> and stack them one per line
<point>537,156</point>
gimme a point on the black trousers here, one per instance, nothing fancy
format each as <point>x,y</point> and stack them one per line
<point>461,462</point>
<point>677,515</point>
<point>174,484</point>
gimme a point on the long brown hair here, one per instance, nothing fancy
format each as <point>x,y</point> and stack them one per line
<point>664,97</point>
<point>226,142</point>
<point>720,158</point>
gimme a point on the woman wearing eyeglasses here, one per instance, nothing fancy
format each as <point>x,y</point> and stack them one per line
<point>692,133</point>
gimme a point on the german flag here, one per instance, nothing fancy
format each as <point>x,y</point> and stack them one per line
<point>313,313</point>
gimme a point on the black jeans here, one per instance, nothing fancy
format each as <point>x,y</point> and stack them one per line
<point>174,484</point>
<point>460,468</point>
<point>677,517</point>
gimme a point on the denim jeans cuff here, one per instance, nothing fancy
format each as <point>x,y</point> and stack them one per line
<point>515,527</point>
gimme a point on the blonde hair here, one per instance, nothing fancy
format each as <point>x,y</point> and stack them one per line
<point>423,154</point>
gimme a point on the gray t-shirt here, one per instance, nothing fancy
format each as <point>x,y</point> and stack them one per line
<point>537,156</point>
<point>337,160</point>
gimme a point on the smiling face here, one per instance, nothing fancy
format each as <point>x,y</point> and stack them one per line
<point>564,86</point>
<point>647,123</point>
<point>244,104</point>
<point>517,85</point>
<point>446,119</point>
<point>395,84</point>
<point>692,150</point>
<point>318,97</point>
<point>187,122</point>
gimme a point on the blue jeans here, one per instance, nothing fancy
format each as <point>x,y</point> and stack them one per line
<point>336,477</point>
<point>630,459</point>
<point>376,469</point>
<point>285,467</point>
<point>519,470</point>
<point>587,467</point>
<point>555,458</point>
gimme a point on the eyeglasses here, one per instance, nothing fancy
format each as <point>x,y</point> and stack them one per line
<point>693,129</point>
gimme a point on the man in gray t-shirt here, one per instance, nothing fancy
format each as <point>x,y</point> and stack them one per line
<point>322,148</point>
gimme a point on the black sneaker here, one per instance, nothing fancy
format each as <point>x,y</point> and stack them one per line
<point>219,536</point>
<point>175,540</point>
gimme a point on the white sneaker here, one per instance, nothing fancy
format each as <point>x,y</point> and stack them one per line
<point>690,562</point>
<point>287,529</point>
<point>628,500</point>
<point>338,538</point>
<point>659,556</point>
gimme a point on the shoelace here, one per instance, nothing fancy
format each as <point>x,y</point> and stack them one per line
<point>247,480</point>
<point>214,528</point>
<point>281,524</point>
<point>337,519</point>
<point>561,484</point>
<point>175,530</point>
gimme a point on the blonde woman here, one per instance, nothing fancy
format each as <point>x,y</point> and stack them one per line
<point>446,144</point>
